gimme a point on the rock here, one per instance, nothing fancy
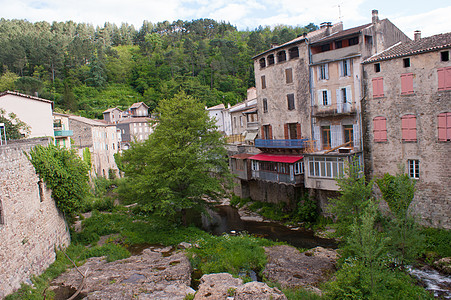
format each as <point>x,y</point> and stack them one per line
<point>287,266</point>
<point>184,245</point>
<point>147,276</point>
<point>217,286</point>
<point>444,265</point>
<point>258,290</point>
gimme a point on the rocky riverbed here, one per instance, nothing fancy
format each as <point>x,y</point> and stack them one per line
<point>157,274</point>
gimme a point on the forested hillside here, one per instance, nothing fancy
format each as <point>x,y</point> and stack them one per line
<point>88,69</point>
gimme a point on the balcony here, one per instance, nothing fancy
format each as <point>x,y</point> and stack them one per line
<point>333,110</point>
<point>277,177</point>
<point>336,54</point>
<point>252,125</point>
<point>63,133</point>
<point>286,144</point>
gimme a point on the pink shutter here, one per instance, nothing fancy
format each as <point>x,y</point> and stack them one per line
<point>378,87</point>
<point>441,79</point>
<point>448,126</point>
<point>442,129</point>
<point>380,129</point>
<point>375,89</point>
<point>407,83</point>
<point>383,128</point>
<point>448,78</point>
<point>409,128</point>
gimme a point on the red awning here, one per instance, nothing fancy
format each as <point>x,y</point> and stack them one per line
<point>277,158</point>
<point>242,156</point>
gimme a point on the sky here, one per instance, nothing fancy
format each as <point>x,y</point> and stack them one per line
<point>431,16</point>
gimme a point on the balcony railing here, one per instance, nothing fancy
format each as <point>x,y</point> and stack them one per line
<point>63,133</point>
<point>252,125</point>
<point>276,177</point>
<point>294,144</point>
<point>333,110</point>
<point>235,138</point>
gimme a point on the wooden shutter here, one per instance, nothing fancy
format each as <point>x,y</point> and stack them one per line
<point>409,128</point>
<point>444,127</point>
<point>380,129</point>
<point>270,132</point>
<point>263,132</point>
<point>407,84</point>
<point>298,131</point>
<point>317,137</point>
<point>263,82</point>
<point>356,135</point>
<point>289,75</point>
<point>285,131</point>
<point>378,87</point>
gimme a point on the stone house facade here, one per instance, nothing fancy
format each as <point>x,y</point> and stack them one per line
<point>61,130</point>
<point>135,129</point>
<point>35,112</point>
<point>244,117</point>
<point>112,115</point>
<point>407,121</point>
<point>31,226</point>
<point>101,139</point>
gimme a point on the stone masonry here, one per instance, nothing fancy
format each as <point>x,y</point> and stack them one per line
<point>31,226</point>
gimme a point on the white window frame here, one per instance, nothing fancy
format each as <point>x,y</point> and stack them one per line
<point>325,167</point>
<point>321,99</point>
<point>255,165</point>
<point>414,168</point>
<point>323,72</point>
<point>299,168</point>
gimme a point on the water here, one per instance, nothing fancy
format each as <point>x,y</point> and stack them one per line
<point>227,220</point>
<point>439,284</point>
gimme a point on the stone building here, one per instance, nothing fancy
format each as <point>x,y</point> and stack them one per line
<point>244,117</point>
<point>31,226</point>
<point>101,139</point>
<point>335,82</point>
<point>35,112</point>
<point>136,129</point>
<point>112,115</point>
<point>407,121</point>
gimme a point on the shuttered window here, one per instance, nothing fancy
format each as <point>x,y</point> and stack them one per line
<point>289,75</point>
<point>409,128</point>
<point>380,129</point>
<point>444,127</point>
<point>378,87</point>
<point>444,79</point>
<point>407,84</point>
<point>290,101</point>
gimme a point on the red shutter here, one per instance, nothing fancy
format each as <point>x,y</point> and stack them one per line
<point>444,126</point>
<point>448,126</point>
<point>378,87</point>
<point>380,129</point>
<point>448,78</point>
<point>285,130</point>
<point>298,131</point>
<point>441,79</point>
<point>407,84</point>
<point>263,133</point>
<point>409,128</point>
<point>270,132</point>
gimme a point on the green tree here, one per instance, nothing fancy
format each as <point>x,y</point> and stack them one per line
<point>182,162</point>
<point>15,128</point>
<point>7,81</point>
<point>355,196</point>
<point>65,173</point>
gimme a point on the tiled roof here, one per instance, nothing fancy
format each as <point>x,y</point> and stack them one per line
<point>135,120</point>
<point>219,106</point>
<point>343,33</point>
<point>111,109</point>
<point>91,122</point>
<point>25,96</point>
<point>138,104</point>
<point>427,44</point>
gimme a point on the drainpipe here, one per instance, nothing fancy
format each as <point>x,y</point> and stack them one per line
<point>310,87</point>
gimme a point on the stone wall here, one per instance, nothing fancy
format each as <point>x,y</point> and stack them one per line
<point>31,225</point>
<point>433,187</point>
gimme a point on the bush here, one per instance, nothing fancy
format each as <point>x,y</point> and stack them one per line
<point>306,210</point>
<point>437,241</point>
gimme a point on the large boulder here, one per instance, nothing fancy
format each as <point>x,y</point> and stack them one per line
<point>217,286</point>
<point>258,290</point>
<point>291,268</point>
<point>146,276</point>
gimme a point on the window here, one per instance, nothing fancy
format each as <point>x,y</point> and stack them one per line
<point>325,135</point>
<point>270,59</point>
<point>262,62</point>
<point>299,168</point>
<point>290,101</point>
<point>234,122</point>
<point>353,41</point>
<point>292,131</point>
<point>281,56</point>
<point>407,84</point>
<point>2,217</point>
<point>263,78</point>
<point>380,129</point>
<point>324,97</point>
<point>289,75</point>
<point>325,47</point>
<point>239,164</point>
<point>414,168</point>
<point>348,134</point>
<point>323,72</point>
<point>406,62</point>
<point>444,56</point>
<point>293,52</point>
<point>241,121</point>
<point>330,167</point>
<point>338,44</point>
<point>377,67</point>
<point>378,87</point>
<point>267,132</point>
<point>345,68</point>
<point>265,105</point>
<point>444,127</point>
<point>344,97</point>
<point>444,78</point>
<point>409,128</point>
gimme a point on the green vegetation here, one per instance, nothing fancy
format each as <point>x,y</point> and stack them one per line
<point>182,162</point>
<point>14,127</point>
<point>86,69</point>
<point>65,173</point>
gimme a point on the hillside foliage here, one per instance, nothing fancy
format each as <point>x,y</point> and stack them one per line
<point>89,69</point>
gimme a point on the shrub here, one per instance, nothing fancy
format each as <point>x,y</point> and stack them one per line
<point>306,210</point>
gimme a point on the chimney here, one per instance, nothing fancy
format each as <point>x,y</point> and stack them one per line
<point>375,16</point>
<point>274,45</point>
<point>327,25</point>
<point>417,35</point>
